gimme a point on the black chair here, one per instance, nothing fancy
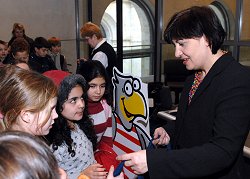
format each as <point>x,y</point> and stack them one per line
<point>162,100</point>
<point>175,75</point>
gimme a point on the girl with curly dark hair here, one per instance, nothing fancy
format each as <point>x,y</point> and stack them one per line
<point>99,109</point>
<point>72,137</point>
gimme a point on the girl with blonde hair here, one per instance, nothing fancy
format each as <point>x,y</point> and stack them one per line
<point>28,101</point>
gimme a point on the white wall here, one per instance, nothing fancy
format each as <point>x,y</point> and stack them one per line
<point>45,18</point>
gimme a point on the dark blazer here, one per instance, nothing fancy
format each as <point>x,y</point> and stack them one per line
<point>211,131</point>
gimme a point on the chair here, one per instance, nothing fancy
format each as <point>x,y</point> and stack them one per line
<point>168,115</point>
<point>161,96</point>
<point>161,99</point>
<point>175,75</point>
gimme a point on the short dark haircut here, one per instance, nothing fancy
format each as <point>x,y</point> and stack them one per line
<point>3,42</point>
<point>195,22</point>
<point>19,45</point>
<point>41,42</point>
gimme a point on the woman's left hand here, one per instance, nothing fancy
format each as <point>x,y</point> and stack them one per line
<point>161,137</point>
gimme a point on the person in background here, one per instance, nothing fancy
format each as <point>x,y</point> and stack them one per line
<point>55,53</point>
<point>39,60</point>
<point>3,50</point>
<point>19,52</point>
<point>19,31</point>
<point>102,50</point>
<point>28,101</point>
<point>24,156</point>
<point>72,137</point>
<point>213,117</point>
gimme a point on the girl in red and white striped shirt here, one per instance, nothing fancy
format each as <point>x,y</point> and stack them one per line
<point>99,99</point>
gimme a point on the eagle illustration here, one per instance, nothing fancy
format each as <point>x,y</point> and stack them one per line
<point>131,125</point>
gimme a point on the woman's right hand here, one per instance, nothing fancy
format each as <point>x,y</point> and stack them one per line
<point>95,171</point>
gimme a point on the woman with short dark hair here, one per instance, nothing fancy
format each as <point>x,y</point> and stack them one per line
<point>213,117</point>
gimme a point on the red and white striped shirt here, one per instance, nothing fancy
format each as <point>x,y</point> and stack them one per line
<point>102,121</point>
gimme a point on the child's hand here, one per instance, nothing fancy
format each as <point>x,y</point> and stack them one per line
<point>95,171</point>
<point>110,174</point>
<point>81,59</point>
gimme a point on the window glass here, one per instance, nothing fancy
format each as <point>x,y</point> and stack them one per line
<point>227,48</point>
<point>244,57</point>
<point>137,66</point>
<point>137,38</point>
<point>224,9</point>
<point>245,32</point>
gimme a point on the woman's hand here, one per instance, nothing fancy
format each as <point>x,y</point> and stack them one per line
<point>136,160</point>
<point>95,171</point>
<point>161,137</point>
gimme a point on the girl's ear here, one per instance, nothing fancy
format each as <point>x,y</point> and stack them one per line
<point>25,116</point>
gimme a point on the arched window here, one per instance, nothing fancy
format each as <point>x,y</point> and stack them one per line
<point>137,36</point>
<point>226,17</point>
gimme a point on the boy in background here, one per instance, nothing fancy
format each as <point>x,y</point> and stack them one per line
<point>39,60</point>
<point>3,50</point>
<point>55,53</point>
